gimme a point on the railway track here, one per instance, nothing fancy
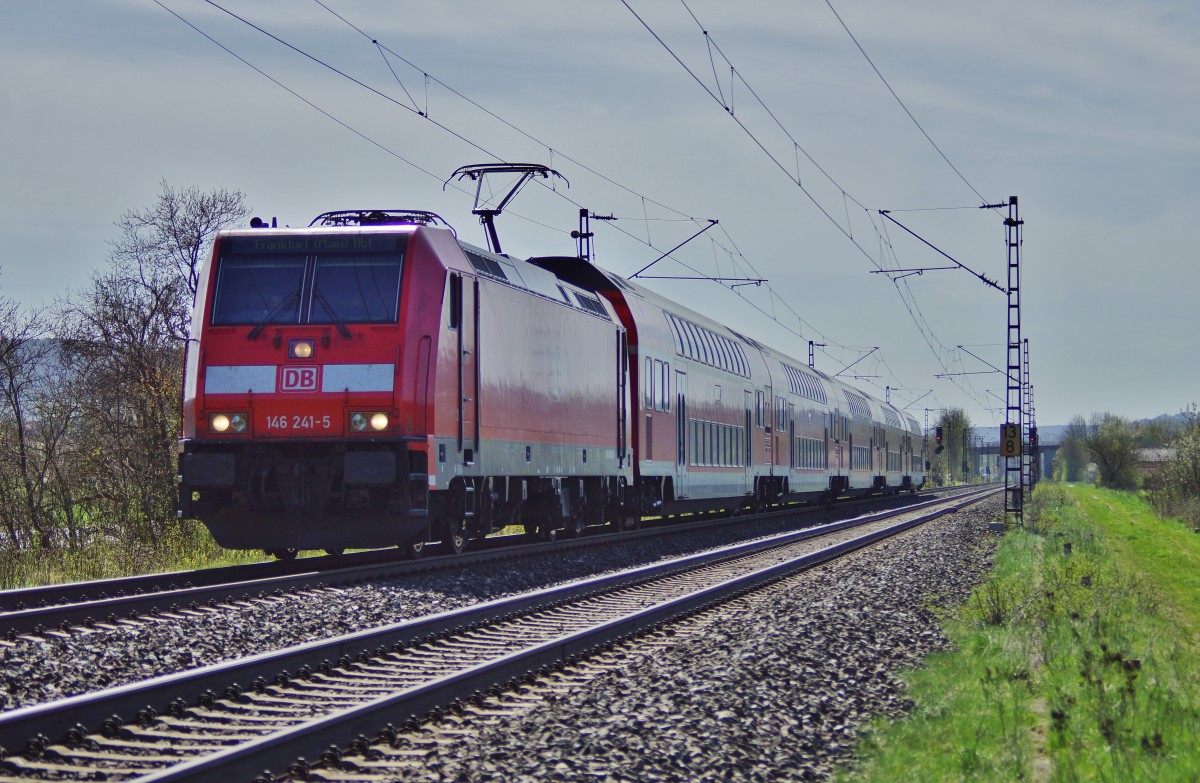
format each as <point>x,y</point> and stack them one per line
<point>59,608</point>
<point>237,718</point>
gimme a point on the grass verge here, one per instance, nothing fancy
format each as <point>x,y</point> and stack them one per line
<point>189,546</point>
<point>1076,660</point>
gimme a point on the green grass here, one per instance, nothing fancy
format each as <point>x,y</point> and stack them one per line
<point>1166,552</point>
<point>1074,666</point>
<point>188,547</point>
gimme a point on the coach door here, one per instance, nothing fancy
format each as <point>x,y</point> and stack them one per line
<point>468,371</point>
<point>791,434</point>
<point>748,443</point>
<point>833,440</point>
<point>782,455</point>
<point>681,433</point>
<point>768,416</point>
<point>622,396</point>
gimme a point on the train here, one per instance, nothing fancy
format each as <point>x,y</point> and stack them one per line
<point>372,380</point>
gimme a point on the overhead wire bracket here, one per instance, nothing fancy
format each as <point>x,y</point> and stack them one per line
<point>638,273</point>
<point>856,361</point>
<point>957,264</point>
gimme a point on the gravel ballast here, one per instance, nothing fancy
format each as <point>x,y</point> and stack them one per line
<point>57,666</point>
<point>778,691</point>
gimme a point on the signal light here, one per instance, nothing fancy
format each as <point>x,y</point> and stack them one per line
<point>1033,436</point>
<point>939,434</point>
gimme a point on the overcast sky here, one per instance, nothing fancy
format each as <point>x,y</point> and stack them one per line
<point>1087,111</point>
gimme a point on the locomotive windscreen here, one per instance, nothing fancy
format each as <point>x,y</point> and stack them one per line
<point>321,279</point>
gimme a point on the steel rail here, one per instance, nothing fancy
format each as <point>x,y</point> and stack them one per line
<point>20,726</point>
<point>41,596</point>
<point>339,729</point>
<point>23,598</point>
<point>187,590</point>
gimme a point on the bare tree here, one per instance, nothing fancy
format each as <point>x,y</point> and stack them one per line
<point>127,332</point>
<point>34,421</point>
<point>89,392</point>
<point>128,361</point>
<point>169,239</point>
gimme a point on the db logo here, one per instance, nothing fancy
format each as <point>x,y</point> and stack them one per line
<point>298,379</point>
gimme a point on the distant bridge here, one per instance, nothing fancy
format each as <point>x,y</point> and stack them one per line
<point>985,458</point>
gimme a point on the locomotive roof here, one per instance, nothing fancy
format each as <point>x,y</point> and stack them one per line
<point>534,279</point>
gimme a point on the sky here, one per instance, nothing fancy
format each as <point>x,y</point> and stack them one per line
<point>763,115</point>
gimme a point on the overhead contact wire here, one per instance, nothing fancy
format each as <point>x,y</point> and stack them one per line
<point>749,133</point>
<point>467,141</point>
<point>295,94</point>
<point>350,78</point>
<point>493,115</point>
<point>902,106</point>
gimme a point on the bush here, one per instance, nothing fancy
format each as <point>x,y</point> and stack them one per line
<point>1176,493</point>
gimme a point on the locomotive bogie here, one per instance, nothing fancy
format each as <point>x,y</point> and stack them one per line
<point>304,495</point>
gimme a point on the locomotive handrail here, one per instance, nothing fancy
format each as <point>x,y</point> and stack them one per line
<point>368,217</point>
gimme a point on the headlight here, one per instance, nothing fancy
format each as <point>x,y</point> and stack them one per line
<point>361,421</point>
<point>227,422</point>
<point>300,349</point>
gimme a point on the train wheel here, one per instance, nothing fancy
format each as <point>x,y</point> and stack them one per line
<point>286,555</point>
<point>414,549</point>
<point>455,535</point>
<point>576,526</point>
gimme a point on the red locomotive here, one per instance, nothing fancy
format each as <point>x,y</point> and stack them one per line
<point>371,380</point>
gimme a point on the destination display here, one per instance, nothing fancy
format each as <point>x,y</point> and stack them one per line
<point>312,244</point>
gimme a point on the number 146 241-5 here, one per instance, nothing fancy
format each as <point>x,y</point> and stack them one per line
<point>299,422</point>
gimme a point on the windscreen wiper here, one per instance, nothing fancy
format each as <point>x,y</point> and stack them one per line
<point>341,327</point>
<point>271,314</point>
